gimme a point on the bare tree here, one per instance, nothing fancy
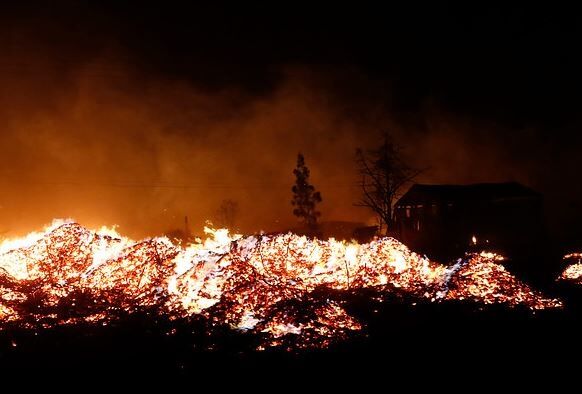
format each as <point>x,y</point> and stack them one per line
<point>227,213</point>
<point>384,174</point>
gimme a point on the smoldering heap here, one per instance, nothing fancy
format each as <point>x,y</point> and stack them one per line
<point>270,285</point>
<point>573,271</point>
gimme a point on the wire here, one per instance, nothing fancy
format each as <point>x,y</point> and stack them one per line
<point>268,185</point>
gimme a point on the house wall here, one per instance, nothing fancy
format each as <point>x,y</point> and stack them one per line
<point>445,230</point>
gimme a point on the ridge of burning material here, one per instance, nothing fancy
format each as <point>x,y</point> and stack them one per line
<point>264,284</point>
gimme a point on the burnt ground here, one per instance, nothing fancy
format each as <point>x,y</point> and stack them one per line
<point>438,342</point>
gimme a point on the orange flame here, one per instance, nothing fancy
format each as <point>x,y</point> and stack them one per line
<point>259,283</point>
<point>573,272</point>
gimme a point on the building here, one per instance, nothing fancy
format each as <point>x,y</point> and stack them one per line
<point>445,221</point>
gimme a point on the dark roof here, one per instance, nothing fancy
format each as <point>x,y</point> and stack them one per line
<point>427,194</point>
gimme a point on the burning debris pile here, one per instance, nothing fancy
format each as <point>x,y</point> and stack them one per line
<point>481,280</point>
<point>264,284</point>
<point>573,272</point>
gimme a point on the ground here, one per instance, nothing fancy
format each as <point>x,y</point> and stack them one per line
<point>400,338</point>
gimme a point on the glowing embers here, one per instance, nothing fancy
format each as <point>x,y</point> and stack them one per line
<point>573,271</point>
<point>278,287</point>
<point>481,279</point>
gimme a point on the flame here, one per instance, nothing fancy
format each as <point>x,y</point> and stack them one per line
<point>267,284</point>
<point>573,272</point>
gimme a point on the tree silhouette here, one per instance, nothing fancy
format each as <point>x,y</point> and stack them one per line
<point>305,198</point>
<point>227,213</point>
<point>383,175</point>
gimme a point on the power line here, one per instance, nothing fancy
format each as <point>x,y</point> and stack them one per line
<point>266,185</point>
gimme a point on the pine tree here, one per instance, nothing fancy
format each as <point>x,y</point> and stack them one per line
<point>305,198</point>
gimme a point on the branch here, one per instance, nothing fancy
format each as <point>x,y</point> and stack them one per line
<point>370,201</point>
<point>369,172</point>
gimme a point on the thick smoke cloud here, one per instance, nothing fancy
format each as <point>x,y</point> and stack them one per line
<point>97,137</point>
<point>107,146</point>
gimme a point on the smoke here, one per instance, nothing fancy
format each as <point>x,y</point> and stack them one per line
<point>107,141</point>
<point>105,144</point>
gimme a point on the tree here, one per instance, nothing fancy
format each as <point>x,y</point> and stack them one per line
<point>227,213</point>
<point>305,198</point>
<point>384,174</point>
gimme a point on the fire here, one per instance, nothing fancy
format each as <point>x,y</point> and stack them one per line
<point>482,280</point>
<point>573,272</point>
<point>271,285</point>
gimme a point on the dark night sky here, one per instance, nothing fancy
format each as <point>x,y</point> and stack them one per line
<point>514,64</point>
<point>501,82</point>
